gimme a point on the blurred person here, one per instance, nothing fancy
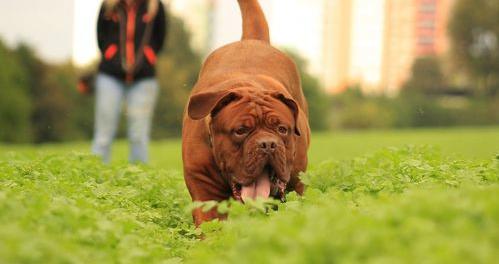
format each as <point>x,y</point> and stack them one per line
<point>130,34</point>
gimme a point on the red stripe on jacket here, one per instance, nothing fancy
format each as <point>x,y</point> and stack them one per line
<point>130,37</point>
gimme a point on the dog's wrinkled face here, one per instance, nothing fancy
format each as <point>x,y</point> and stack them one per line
<point>253,141</point>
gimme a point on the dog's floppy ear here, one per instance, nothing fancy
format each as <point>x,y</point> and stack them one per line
<point>292,105</point>
<point>202,104</point>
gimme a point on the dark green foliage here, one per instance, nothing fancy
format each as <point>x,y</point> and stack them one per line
<point>474,33</point>
<point>80,118</point>
<point>49,90</point>
<point>38,101</point>
<point>15,108</point>
<point>426,77</point>
<point>178,67</point>
<point>426,100</point>
<point>352,111</point>
<point>319,110</point>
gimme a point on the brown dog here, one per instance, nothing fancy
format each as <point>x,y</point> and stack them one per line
<point>245,131</point>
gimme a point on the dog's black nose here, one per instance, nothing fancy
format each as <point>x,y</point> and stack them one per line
<point>267,145</point>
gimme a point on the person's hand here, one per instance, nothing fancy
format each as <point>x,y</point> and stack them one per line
<point>85,84</point>
<point>150,55</point>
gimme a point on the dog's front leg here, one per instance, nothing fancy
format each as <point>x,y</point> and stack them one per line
<point>203,188</point>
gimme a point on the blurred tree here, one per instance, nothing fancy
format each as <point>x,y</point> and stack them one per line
<point>178,67</point>
<point>418,105</point>
<point>79,112</point>
<point>14,99</point>
<point>50,119</point>
<point>426,77</point>
<point>318,101</point>
<point>474,33</point>
<point>354,109</point>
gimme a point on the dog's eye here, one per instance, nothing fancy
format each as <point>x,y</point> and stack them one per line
<point>241,131</point>
<point>283,130</point>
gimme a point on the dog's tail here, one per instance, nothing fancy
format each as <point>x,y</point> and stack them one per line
<point>254,23</point>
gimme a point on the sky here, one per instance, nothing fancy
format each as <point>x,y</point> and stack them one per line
<point>85,49</point>
<point>46,25</point>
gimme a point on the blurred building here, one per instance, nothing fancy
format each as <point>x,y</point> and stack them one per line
<point>413,28</point>
<point>337,41</point>
<point>407,29</point>
<point>367,43</point>
<point>353,44</point>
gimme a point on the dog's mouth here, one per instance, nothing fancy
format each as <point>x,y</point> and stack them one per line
<point>266,185</point>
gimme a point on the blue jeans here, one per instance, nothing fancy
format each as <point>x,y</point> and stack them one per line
<point>140,98</point>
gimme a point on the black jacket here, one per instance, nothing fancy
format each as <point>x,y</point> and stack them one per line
<point>128,50</point>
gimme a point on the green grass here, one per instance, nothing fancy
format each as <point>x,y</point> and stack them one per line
<point>415,196</point>
<point>469,143</point>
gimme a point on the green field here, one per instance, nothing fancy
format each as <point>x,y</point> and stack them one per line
<point>414,196</point>
<point>469,143</point>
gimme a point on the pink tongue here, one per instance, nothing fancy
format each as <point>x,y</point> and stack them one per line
<point>259,188</point>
